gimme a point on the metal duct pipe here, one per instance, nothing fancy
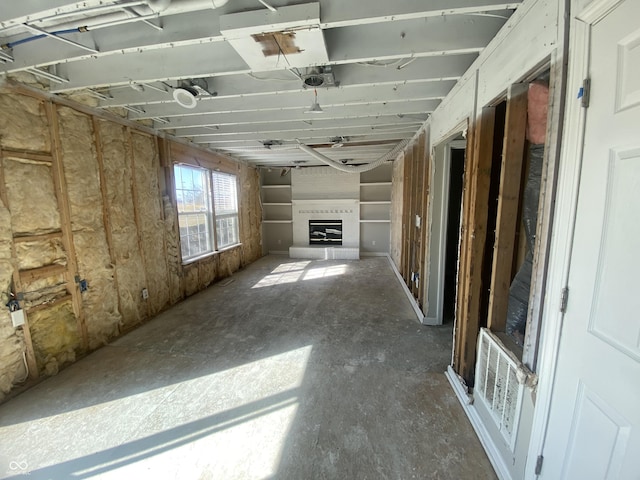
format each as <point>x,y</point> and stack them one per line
<point>359,169</point>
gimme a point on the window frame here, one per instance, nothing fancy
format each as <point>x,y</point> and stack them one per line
<point>210,212</point>
<point>220,216</point>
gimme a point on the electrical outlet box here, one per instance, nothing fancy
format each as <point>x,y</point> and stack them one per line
<point>17,318</point>
<point>145,293</point>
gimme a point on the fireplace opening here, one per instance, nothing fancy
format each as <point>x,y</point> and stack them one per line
<point>325,232</point>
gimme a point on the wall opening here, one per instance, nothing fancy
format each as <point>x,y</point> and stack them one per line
<point>452,245</point>
<point>492,208</point>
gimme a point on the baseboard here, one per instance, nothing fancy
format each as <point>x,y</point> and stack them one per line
<point>414,304</point>
<point>431,321</point>
<point>466,400</point>
<point>373,254</point>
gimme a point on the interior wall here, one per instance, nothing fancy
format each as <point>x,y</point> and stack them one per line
<point>371,188</point>
<point>85,198</point>
<point>529,37</point>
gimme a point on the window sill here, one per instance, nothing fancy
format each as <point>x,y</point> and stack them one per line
<point>191,261</point>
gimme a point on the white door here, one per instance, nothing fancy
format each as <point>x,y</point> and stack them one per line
<point>594,424</point>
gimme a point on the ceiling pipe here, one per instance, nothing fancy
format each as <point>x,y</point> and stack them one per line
<point>391,155</point>
<point>146,10</point>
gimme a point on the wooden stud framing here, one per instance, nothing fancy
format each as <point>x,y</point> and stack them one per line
<point>415,201</point>
<point>423,212</point>
<point>33,156</point>
<point>106,219</point>
<point>42,272</point>
<point>136,209</point>
<point>37,238</point>
<point>476,219</point>
<point>60,186</point>
<point>508,202</point>
<point>406,215</point>
<point>462,285</point>
<point>548,188</point>
<point>17,284</point>
<point>44,306</point>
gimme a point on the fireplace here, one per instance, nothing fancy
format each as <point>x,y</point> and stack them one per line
<point>325,232</point>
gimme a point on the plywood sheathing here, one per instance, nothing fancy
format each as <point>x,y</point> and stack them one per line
<point>100,301</point>
<point>118,179</point>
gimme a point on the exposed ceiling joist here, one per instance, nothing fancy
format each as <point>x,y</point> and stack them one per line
<point>379,67</point>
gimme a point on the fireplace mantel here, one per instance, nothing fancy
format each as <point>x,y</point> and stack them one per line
<point>347,210</point>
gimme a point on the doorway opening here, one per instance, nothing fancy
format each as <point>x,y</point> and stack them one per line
<point>452,242</point>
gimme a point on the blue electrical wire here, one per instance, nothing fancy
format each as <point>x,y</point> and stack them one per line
<point>37,37</point>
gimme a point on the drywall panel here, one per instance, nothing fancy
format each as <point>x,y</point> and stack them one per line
<point>532,37</point>
<point>278,237</point>
<point>320,183</point>
<point>454,109</point>
<point>82,177</point>
<point>129,268</point>
<point>150,218</point>
<point>23,123</point>
<point>526,40</point>
<point>374,238</point>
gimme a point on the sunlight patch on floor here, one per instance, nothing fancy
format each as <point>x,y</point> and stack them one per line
<point>323,272</point>
<point>229,424</point>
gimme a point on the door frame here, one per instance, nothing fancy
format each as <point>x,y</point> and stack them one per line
<point>564,223</point>
<point>438,231</point>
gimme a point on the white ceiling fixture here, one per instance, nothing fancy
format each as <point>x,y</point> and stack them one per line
<point>187,93</point>
<point>185,96</point>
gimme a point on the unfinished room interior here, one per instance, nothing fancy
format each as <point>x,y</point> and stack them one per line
<point>296,239</point>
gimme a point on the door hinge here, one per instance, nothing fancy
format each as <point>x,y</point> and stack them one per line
<point>539,465</point>
<point>564,299</point>
<point>585,92</point>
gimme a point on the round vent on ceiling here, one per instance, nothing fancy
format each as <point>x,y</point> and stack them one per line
<point>314,81</point>
<point>185,97</point>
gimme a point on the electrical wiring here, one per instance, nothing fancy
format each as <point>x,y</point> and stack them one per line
<point>10,45</point>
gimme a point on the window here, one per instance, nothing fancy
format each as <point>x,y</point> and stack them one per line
<point>225,201</point>
<point>207,210</point>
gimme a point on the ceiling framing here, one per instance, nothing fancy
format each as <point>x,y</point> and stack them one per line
<point>392,62</point>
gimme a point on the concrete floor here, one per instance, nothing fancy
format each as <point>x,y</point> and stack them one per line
<point>295,370</point>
